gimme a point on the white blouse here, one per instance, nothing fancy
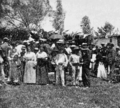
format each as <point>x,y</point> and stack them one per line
<point>30,56</point>
<point>41,55</point>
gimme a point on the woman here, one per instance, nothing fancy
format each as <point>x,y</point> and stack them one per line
<point>42,73</point>
<point>22,62</point>
<point>30,63</point>
<point>101,71</point>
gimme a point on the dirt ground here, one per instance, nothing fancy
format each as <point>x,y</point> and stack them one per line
<point>101,94</point>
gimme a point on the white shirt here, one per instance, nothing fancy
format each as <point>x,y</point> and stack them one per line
<point>61,58</point>
<point>74,58</point>
<point>68,50</point>
<point>30,56</point>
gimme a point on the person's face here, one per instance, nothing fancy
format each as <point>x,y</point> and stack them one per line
<point>41,49</point>
<point>28,49</point>
<point>15,57</point>
<point>23,50</point>
<point>67,45</point>
<point>108,46</point>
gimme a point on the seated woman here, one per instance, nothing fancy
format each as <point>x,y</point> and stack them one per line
<point>42,73</point>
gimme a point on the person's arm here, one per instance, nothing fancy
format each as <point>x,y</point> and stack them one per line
<point>113,54</point>
<point>70,60</point>
<point>9,55</point>
<point>66,60</point>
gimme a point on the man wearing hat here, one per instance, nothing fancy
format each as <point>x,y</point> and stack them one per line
<point>61,61</point>
<point>86,57</point>
<point>74,61</point>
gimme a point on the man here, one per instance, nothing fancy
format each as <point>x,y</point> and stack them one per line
<point>68,49</point>
<point>110,57</point>
<point>61,61</point>
<point>68,52</point>
<point>5,49</point>
<point>86,57</point>
<point>115,78</point>
<point>74,61</point>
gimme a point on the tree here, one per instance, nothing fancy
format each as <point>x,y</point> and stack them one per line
<point>58,22</point>
<point>85,24</point>
<point>26,12</point>
<point>3,7</point>
<point>106,30</point>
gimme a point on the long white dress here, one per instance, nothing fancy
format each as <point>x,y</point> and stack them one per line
<point>30,71</point>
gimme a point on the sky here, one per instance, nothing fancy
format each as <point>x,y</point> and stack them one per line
<point>98,11</point>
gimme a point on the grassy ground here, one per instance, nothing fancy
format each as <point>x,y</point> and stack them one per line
<point>101,95</point>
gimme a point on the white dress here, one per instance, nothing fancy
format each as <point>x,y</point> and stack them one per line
<point>30,71</point>
<point>102,73</point>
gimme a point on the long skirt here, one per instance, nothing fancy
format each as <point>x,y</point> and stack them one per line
<point>30,72</point>
<point>42,75</point>
<point>102,73</point>
<point>14,73</point>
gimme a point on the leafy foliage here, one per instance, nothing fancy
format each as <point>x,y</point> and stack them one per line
<point>58,22</point>
<point>26,12</point>
<point>85,24</point>
<point>106,30</point>
<point>13,35</point>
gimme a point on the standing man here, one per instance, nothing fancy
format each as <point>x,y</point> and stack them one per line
<point>86,57</point>
<point>111,53</point>
<point>61,61</point>
<point>74,60</point>
<point>5,48</point>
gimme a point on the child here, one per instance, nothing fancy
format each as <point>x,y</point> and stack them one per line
<point>15,66</point>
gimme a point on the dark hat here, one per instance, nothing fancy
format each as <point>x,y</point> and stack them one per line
<point>55,50</point>
<point>5,39</point>
<point>110,44</point>
<point>84,46</point>
<point>102,44</point>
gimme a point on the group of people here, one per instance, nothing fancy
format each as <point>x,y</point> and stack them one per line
<point>30,62</point>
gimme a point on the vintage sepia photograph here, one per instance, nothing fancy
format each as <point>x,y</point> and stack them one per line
<point>59,54</point>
